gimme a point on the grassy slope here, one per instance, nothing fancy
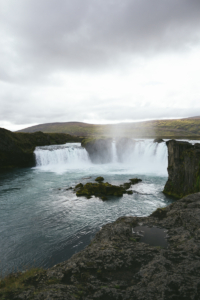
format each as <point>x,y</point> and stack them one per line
<point>160,128</point>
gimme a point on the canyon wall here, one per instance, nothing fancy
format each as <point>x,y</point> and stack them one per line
<point>99,150</point>
<point>183,169</point>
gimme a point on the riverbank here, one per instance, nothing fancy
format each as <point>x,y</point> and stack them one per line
<point>118,265</point>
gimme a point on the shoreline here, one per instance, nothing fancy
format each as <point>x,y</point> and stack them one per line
<point>116,265</point>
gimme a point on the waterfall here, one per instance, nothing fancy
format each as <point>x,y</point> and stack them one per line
<point>147,156</point>
<point>71,154</point>
<point>142,156</point>
<point>114,152</point>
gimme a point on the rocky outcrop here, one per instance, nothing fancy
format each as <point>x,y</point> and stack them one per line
<point>183,169</point>
<point>158,140</point>
<point>99,150</point>
<point>127,260</point>
<point>104,190</point>
<point>16,149</point>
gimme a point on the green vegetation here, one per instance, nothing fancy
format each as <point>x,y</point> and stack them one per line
<point>177,128</point>
<point>99,179</point>
<point>18,282</point>
<point>135,180</point>
<point>103,190</point>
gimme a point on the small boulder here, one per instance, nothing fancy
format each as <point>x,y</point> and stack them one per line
<point>126,185</point>
<point>99,179</point>
<point>158,141</point>
<point>135,180</point>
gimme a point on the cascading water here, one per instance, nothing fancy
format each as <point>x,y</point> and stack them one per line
<point>114,153</point>
<point>143,156</point>
<point>147,157</point>
<point>71,155</point>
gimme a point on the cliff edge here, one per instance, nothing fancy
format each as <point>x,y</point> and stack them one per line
<point>183,169</point>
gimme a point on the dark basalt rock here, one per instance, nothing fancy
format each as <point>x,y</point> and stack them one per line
<point>118,265</point>
<point>126,185</point>
<point>99,150</point>
<point>158,141</point>
<point>135,180</point>
<point>99,179</point>
<point>183,169</point>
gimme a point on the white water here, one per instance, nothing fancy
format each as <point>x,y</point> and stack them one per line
<point>58,158</point>
<point>144,157</point>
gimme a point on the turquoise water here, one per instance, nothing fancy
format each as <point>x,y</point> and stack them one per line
<point>42,224</point>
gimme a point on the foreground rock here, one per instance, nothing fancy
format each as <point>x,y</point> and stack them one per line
<point>16,149</point>
<point>116,265</point>
<point>103,190</point>
<point>183,169</point>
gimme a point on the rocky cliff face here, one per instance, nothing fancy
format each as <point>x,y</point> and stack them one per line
<point>183,169</point>
<point>16,149</point>
<point>127,260</point>
<point>99,150</point>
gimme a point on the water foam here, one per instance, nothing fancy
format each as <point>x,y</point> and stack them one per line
<point>143,157</point>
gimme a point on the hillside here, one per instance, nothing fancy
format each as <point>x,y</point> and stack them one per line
<point>176,128</point>
<point>16,149</point>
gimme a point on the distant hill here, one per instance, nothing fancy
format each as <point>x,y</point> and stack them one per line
<point>175,128</point>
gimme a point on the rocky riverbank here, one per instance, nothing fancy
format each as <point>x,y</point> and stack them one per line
<point>127,260</point>
<point>16,149</point>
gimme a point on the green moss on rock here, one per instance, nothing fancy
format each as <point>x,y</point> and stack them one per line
<point>99,179</point>
<point>102,190</point>
<point>135,180</point>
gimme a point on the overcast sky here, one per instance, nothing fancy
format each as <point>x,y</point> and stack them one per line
<point>98,61</point>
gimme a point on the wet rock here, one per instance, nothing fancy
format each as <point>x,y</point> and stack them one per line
<point>78,187</point>
<point>104,190</point>
<point>118,265</point>
<point>100,190</point>
<point>126,185</point>
<point>129,192</point>
<point>99,179</point>
<point>183,169</point>
<point>99,150</point>
<point>135,180</point>
<point>158,141</point>
<point>160,213</point>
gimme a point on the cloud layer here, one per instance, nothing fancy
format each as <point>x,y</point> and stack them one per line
<point>44,43</point>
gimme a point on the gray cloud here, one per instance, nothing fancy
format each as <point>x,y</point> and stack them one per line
<point>41,37</point>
